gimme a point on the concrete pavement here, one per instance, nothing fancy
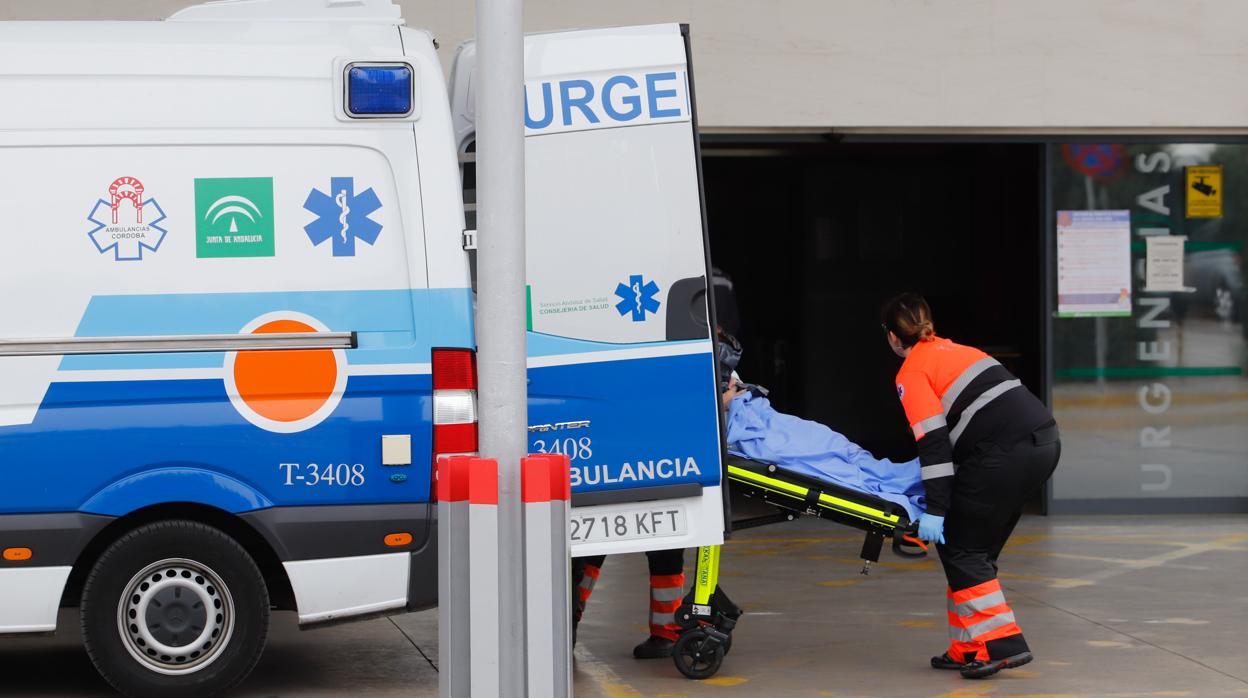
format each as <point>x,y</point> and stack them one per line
<point>1111,607</point>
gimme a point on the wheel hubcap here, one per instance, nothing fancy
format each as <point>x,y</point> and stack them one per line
<point>176,616</point>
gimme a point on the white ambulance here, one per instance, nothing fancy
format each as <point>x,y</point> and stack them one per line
<point>237,319</point>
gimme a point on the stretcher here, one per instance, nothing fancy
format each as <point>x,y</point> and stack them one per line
<point>707,616</point>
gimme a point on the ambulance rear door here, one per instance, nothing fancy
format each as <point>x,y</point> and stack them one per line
<point>622,375</point>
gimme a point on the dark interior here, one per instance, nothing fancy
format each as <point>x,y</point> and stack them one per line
<point>815,236</point>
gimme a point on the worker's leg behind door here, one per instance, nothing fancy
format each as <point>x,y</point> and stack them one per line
<point>989,495</point>
<point>585,573</point>
<point>667,586</point>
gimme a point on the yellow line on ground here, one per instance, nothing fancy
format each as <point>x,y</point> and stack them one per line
<point>783,539</point>
<point>987,690</point>
<point>1111,644</point>
<point>1132,398</point>
<point>917,623</point>
<point>1101,421</point>
<point>1217,544</point>
<point>725,681</point>
<point>1181,551</point>
<point>1144,538</point>
<point>903,566</point>
<point>1055,582</point>
<point>1133,694</point>
<point>604,676</point>
<point>1070,556</point>
<point>967,692</point>
<point>1024,539</point>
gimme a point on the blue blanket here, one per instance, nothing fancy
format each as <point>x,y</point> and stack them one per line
<point>757,431</point>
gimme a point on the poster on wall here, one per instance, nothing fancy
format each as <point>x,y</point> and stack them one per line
<point>1093,263</point>
<point>1163,264</point>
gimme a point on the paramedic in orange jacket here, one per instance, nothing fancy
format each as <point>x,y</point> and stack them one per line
<point>986,445</point>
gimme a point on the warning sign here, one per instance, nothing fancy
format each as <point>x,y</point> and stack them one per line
<point>1204,191</point>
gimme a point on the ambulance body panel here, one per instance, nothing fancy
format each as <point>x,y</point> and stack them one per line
<point>193,119</point>
<point>228,295</point>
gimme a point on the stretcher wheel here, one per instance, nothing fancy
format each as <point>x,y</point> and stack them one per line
<point>697,655</point>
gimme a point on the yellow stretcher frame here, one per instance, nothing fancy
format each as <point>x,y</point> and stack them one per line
<point>707,617</point>
<point>794,494</point>
<point>846,507</point>
<point>706,578</point>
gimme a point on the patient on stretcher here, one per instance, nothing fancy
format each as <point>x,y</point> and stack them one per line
<point>758,432</point>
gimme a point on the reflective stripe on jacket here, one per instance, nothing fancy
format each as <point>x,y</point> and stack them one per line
<point>945,388</point>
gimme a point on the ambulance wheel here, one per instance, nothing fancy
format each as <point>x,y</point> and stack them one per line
<point>174,608</point>
<point>692,657</point>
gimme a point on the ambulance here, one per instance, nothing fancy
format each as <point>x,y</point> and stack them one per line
<point>237,317</point>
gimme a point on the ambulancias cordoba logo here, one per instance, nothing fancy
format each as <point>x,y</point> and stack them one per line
<point>126,223</point>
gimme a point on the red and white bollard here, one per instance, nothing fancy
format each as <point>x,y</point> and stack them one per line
<point>454,600</point>
<point>483,582</point>
<point>545,493</point>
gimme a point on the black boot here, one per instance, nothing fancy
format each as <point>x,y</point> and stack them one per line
<point>982,670</point>
<point>944,661</point>
<point>654,647</point>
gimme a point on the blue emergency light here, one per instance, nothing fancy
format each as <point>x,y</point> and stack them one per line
<point>379,89</point>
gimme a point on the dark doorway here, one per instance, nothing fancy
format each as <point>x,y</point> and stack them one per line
<point>816,236</point>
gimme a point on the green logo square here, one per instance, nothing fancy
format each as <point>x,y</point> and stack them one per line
<point>234,217</point>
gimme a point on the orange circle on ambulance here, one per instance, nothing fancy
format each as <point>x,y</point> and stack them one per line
<point>287,390</point>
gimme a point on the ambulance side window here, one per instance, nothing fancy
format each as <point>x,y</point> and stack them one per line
<point>468,180</point>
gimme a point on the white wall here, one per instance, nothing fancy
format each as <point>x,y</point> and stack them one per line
<point>909,65</point>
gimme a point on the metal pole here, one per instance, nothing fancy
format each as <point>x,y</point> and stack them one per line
<point>1101,337</point>
<point>503,391</point>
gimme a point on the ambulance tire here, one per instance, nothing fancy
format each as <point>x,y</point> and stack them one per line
<point>174,608</point>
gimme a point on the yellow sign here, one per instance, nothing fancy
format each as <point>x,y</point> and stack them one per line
<point>1204,191</point>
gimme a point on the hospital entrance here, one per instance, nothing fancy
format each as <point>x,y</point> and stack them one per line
<point>815,236</point>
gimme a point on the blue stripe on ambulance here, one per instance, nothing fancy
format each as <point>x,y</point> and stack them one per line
<point>90,435</point>
<point>383,318</point>
<point>119,445</point>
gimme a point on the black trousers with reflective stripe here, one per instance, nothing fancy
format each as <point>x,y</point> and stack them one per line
<point>661,562</point>
<point>989,492</point>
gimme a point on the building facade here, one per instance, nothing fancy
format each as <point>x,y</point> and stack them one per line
<point>970,149</point>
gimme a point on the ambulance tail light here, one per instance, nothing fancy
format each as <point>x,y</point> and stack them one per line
<point>454,404</point>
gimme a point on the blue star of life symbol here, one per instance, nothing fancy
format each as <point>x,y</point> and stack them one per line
<point>342,216</point>
<point>127,240</point>
<point>637,297</point>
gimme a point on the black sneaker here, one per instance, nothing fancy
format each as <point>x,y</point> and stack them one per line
<point>654,647</point>
<point>982,670</point>
<point>944,661</point>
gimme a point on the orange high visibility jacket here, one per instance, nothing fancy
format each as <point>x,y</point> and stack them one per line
<point>955,398</point>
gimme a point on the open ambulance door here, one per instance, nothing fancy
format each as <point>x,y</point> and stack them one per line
<point>622,370</point>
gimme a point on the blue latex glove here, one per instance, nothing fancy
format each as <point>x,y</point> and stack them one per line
<point>932,528</point>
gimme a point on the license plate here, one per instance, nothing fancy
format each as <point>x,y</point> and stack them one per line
<point>641,521</point>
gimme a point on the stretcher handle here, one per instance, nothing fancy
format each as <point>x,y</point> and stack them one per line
<point>907,544</point>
